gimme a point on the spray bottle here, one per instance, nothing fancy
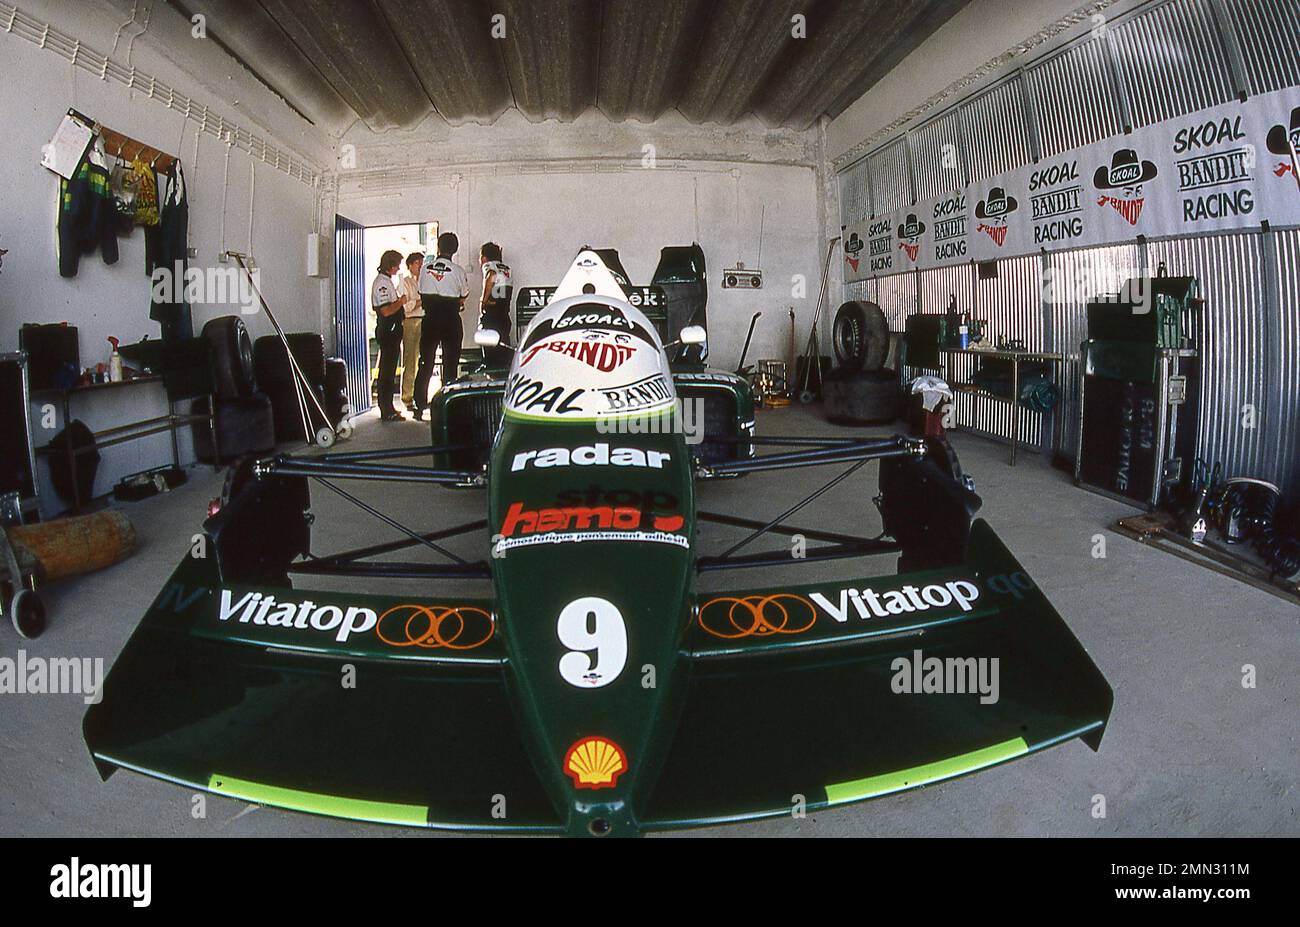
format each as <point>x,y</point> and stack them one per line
<point>114,363</point>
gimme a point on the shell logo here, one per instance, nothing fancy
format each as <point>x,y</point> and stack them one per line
<point>595,763</point>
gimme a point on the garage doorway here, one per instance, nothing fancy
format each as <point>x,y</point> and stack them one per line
<point>357,251</point>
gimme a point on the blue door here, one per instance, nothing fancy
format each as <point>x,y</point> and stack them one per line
<point>350,309</point>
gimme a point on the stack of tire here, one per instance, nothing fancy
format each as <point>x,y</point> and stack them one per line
<point>244,421</point>
<point>276,377</point>
<point>860,390</point>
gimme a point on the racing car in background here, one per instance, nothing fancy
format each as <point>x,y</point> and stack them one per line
<point>592,688</point>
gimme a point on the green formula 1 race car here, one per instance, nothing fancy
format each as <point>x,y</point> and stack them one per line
<point>591,689</point>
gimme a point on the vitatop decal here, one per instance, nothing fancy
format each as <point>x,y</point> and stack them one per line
<point>1121,182</point>
<point>1285,141</point>
<point>992,211</point>
<point>909,236</point>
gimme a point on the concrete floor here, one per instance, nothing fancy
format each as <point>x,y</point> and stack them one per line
<point>1188,750</point>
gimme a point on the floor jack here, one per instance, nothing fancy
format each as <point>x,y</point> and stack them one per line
<point>328,433</point>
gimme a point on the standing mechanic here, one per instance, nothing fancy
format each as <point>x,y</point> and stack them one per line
<point>443,289</point>
<point>413,309</point>
<point>494,304</point>
<point>387,303</point>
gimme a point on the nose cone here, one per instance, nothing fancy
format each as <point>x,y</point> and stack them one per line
<point>593,569</point>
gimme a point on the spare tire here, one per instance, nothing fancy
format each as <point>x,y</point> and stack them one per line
<point>232,356</point>
<point>272,364</point>
<point>861,397</point>
<point>860,336</point>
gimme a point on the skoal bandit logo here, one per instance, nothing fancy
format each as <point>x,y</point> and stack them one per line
<point>1215,169</point>
<point>1285,141</point>
<point>909,236</point>
<point>1125,175</point>
<point>588,316</point>
<point>852,248</point>
<point>593,351</point>
<point>993,211</point>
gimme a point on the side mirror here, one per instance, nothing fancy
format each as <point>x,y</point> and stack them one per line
<point>693,334</point>
<point>487,338</point>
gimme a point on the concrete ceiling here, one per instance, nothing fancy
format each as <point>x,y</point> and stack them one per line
<point>391,63</point>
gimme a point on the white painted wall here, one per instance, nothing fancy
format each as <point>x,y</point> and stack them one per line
<point>543,190</point>
<point>36,88</point>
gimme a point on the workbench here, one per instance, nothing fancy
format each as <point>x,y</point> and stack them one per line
<point>1016,358</point>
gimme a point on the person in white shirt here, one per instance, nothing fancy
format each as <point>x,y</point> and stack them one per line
<point>414,315</point>
<point>387,303</point>
<point>494,303</point>
<point>443,289</point>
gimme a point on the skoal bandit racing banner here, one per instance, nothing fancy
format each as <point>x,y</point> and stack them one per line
<point>1233,166</point>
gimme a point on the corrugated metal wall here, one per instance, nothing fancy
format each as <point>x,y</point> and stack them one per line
<point>1171,61</point>
<point>1073,98</point>
<point>1283,429</point>
<point>996,117</point>
<point>939,156</point>
<point>1155,62</point>
<point>1268,36</point>
<point>890,174</point>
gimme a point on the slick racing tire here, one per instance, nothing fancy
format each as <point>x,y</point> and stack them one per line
<point>859,397</point>
<point>272,365</point>
<point>860,336</point>
<point>232,356</point>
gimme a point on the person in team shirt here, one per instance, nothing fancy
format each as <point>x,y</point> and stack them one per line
<point>413,310</point>
<point>494,303</point>
<point>386,300</point>
<point>443,289</point>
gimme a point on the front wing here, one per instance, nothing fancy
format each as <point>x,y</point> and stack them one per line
<point>791,698</point>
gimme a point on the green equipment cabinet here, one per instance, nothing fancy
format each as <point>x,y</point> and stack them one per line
<point>1138,390</point>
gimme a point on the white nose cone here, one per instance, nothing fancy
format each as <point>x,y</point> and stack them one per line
<point>588,274</point>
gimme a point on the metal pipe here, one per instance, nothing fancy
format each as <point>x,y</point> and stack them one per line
<point>370,551</point>
<point>825,488</point>
<point>810,459</point>
<point>391,522</point>
<point>394,570</point>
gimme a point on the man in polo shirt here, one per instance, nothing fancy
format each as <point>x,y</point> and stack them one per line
<point>413,310</point>
<point>443,289</point>
<point>387,303</point>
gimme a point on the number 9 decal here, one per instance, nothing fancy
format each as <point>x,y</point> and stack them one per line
<point>593,630</point>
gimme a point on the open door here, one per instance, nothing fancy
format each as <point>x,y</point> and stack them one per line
<point>350,308</point>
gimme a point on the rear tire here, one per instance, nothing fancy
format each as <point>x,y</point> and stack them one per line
<point>325,436</point>
<point>232,356</point>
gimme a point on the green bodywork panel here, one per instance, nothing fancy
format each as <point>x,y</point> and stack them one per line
<point>595,691</point>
